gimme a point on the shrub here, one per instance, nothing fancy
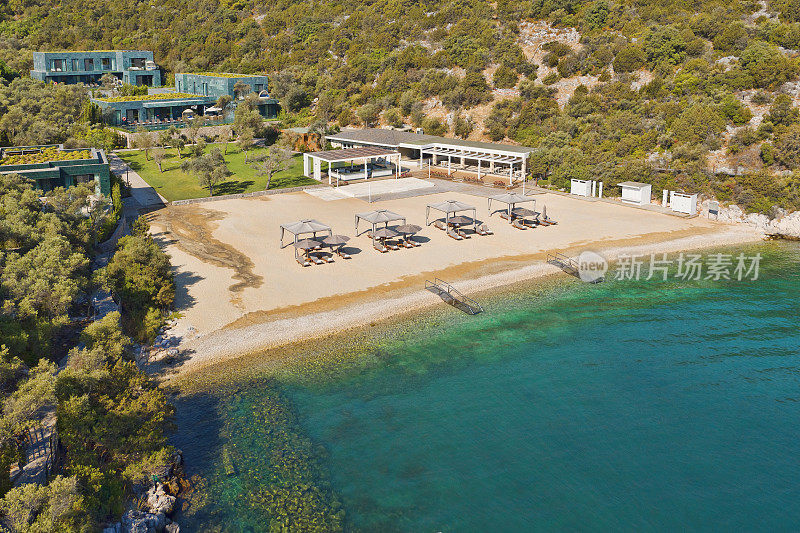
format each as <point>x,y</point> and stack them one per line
<point>551,78</point>
<point>504,78</point>
<point>629,59</point>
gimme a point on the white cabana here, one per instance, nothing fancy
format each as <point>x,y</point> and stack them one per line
<point>377,162</point>
<point>451,207</point>
<point>636,193</point>
<point>510,199</point>
<point>304,227</point>
<point>376,218</point>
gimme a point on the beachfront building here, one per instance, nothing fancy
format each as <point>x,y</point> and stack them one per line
<point>195,95</point>
<point>52,166</point>
<point>135,67</point>
<point>484,159</point>
<point>218,84</point>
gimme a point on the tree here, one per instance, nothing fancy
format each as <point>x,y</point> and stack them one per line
<point>144,141</point>
<point>787,148</point>
<point>223,103</point>
<point>463,126</point>
<point>393,118</point>
<point>664,44</point>
<point>433,126</point>
<point>269,163</point>
<point>767,65</point>
<point>108,81</point>
<point>225,134</point>
<point>369,113</point>
<point>504,77</point>
<point>209,169</point>
<point>782,111</point>
<point>158,156</point>
<point>241,89</point>
<point>629,59</point>
<point>245,141</point>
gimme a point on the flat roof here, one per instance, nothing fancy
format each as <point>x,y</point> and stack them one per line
<point>332,156</point>
<point>635,184</point>
<point>396,138</point>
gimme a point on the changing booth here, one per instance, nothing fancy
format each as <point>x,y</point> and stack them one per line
<point>581,187</point>
<point>636,193</point>
<point>683,203</point>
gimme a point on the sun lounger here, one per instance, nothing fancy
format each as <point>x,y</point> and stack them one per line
<point>519,225</point>
<point>328,258</point>
<point>454,235</point>
<point>303,262</point>
<point>464,234</point>
<point>504,215</point>
<point>440,225</point>
<point>343,255</point>
<point>530,222</point>
<point>406,244</point>
<point>381,248</point>
<point>483,229</point>
<point>392,246</point>
<point>549,221</point>
<point>316,260</point>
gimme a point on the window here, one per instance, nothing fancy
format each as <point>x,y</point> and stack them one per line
<point>137,62</point>
<point>76,65</point>
<point>58,65</point>
<point>106,63</point>
<point>259,87</point>
<point>82,178</point>
<point>88,64</point>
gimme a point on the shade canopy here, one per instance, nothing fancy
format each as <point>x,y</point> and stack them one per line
<point>510,199</point>
<point>304,227</point>
<point>523,212</point>
<point>336,240</point>
<point>377,217</point>
<point>408,228</point>
<point>460,219</point>
<point>450,207</point>
<point>385,233</point>
<point>307,244</point>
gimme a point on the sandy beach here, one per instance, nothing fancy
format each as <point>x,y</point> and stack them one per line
<point>238,292</point>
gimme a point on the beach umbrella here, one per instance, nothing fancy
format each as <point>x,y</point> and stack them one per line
<point>544,212</point>
<point>307,244</point>
<point>524,212</point>
<point>385,233</point>
<point>409,229</point>
<point>460,219</point>
<point>336,240</point>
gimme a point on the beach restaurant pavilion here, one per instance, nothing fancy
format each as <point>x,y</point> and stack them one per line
<point>451,207</point>
<point>374,162</point>
<point>501,160</point>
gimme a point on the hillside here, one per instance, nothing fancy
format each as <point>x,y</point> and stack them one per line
<point>700,98</point>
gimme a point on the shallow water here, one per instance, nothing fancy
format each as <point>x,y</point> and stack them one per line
<point>627,405</point>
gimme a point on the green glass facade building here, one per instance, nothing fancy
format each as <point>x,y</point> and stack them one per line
<point>136,67</point>
<point>52,166</point>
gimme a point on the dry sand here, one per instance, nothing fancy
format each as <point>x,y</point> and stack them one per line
<point>238,292</point>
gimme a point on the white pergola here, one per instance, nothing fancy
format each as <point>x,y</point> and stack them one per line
<point>312,161</point>
<point>488,157</point>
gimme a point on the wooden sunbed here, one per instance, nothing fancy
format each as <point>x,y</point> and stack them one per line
<point>406,244</point>
<point>342,254</point>
<point>392,246</point>
<point>453,235</point>
<point>316,260</point>
<point>302,261</point>
<point>483,229</point>
<point>381,248</point>
<point>519,225</point>
<point>440,225</point>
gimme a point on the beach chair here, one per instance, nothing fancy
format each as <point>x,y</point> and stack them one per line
<point>452,234</point>
<point>484,230</point>
<point>531,223</point>
<point>342,254</point>
<point>406,243</point>
<point>316,260</point>
<point>392,246</point>
<point>519,225</point>
<point>464,234</point>
<point>504,215</point>
<point>440,225</point>
<point>302,261</point>
<point>381,248</point>
<point>328,258</point>
<point>548,221</point>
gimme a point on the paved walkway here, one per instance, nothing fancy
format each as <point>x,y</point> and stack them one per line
<point>141,192</point>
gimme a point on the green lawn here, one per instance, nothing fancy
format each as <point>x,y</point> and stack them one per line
<point>175,184</point>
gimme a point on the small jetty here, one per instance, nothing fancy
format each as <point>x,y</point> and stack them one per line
<point>453,296</point>
<point>567,264</point>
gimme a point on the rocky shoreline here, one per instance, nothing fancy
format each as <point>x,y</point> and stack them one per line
<point>778,224</point>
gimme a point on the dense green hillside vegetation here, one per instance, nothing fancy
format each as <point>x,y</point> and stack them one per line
<point>684,95</point>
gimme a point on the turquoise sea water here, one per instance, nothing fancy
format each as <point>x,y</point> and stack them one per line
<point>625,405</point>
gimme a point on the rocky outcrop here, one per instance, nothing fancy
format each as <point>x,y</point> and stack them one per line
<point>778,223</point>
